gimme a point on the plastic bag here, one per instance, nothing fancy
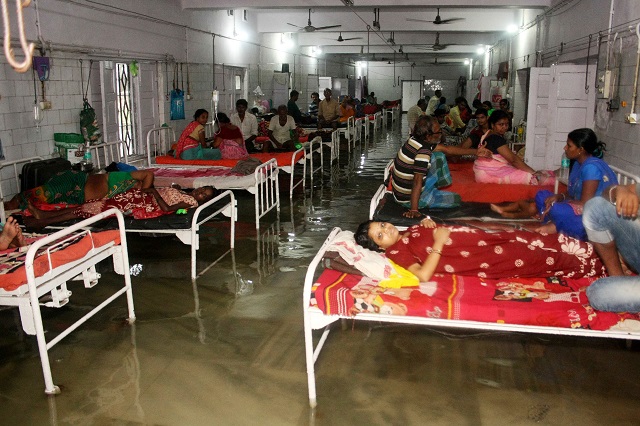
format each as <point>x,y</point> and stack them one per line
<point>89,124</point>
<point>177,104</point>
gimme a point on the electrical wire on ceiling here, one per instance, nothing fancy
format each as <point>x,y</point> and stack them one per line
<point>114,10</point>
<point>369,28</point>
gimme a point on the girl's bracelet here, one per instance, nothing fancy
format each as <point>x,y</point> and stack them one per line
<point>611,200</point>
<point>436,251</point>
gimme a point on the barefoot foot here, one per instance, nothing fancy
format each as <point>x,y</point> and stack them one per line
<point>496,208</point>
<point>9,232</point>
<point>549,228</point>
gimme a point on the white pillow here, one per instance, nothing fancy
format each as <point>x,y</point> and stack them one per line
<point>371,263</point>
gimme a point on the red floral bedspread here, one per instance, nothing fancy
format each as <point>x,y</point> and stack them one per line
<point>528,301</point>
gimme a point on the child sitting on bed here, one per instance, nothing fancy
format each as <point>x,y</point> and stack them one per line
<point>11,235</point>
<point>141,204</point>
<point>425,250</point>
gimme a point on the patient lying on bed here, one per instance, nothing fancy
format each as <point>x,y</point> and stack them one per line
<point>140,203</point>
<point>11,235</point>
<point>426,250</point>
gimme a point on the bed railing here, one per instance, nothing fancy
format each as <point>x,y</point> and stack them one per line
<point>104,154</point>
<point>625,178</point>
<point>267,195</point>
<point>13,179</point>
<point>159,140</point>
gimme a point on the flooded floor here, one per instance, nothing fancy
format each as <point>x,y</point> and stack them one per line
<point>229,349</point>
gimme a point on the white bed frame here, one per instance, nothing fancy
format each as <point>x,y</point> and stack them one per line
<point>266,198</point>
<point>265,189</point>
<point>315,319</point>
<point>54,282</point>
<point>190,235</point>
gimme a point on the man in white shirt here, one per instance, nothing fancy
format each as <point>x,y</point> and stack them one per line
<point>247,122</point>
<point>433,102</point>
<point>415,112</point>
<point>280,130</point>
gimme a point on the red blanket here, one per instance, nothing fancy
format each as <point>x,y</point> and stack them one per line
<point>540,301</point>
<point>283,159</point>
<point>464,183</point>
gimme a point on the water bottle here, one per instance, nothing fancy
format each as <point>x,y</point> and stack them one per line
<point>565,163</point>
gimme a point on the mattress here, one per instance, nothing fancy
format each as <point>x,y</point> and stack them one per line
<point>282,158</point>
<point>464,183</point>
<point>13,277</point>
<point>196,177</point>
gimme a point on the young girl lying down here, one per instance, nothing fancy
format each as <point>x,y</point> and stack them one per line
<point>426,249</point>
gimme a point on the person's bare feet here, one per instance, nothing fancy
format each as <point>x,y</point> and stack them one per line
<point>549,228</point>
<point>36,212</point>
<point>496,208</point>
<point>10,232</point>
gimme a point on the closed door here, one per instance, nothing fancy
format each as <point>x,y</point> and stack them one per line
<point>411,92</point>
<point>558,104</point>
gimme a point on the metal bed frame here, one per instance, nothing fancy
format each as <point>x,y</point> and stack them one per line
<point>315,319</point>
<point>54,282</point>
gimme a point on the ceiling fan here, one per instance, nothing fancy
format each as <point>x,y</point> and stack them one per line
<point>438,20</point>
<point>310,28</point>
<point>437,46</point>
<point>340,39</point>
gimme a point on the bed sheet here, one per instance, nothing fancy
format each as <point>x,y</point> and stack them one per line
<point>282,158</point>
<point>541,302</point>
<point>196,177</point>
<point>13,273</point>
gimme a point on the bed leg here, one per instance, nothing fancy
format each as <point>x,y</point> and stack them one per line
<point>311,378</point>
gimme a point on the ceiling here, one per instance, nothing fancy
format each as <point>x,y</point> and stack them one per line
<point>397,37</point>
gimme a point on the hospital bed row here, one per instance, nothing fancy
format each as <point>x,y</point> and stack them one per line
<point>185,227</point>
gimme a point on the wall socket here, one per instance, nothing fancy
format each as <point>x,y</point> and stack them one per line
<point>44,105</point>
<point>604,80</point>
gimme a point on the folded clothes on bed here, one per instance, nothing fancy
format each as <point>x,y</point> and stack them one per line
<point>530,301</point>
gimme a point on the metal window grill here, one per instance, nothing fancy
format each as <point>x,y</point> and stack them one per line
<point>124,103</point>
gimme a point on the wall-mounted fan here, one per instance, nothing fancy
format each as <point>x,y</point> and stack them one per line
<point>310,28</point>
<point>437,46</point>
<point>438,20</point>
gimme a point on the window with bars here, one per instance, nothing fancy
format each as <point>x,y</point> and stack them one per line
<point>124,105</point>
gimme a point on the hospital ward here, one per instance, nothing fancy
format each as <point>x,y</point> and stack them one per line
<point>354,212</point>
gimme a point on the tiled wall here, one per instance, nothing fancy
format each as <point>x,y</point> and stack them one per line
<point>20,135</point>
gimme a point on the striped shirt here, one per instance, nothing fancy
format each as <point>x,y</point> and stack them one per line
<point>412,158</point>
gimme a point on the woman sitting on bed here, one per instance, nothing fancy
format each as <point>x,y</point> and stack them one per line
<point>229,139</point>
<point>192,144</point>
<point>505,166</point>
<point>141,203</point>
<point>425,250</point>
<point>589,176</point>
